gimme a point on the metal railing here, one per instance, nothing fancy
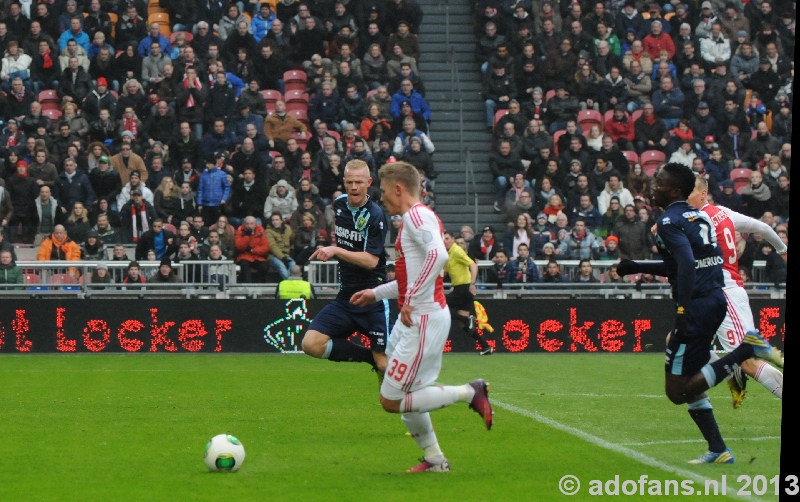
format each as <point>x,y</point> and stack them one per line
<point>73,278</point>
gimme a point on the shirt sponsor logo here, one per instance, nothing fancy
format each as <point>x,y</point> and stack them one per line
<point>349,235</point>
<point>708,262</point>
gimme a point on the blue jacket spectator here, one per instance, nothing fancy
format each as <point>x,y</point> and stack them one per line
<point>144,44</point>
<point>523,270</point>
<point>418,104</point>
<point>80,37</point>
<point>213,188</point>
<point>72,186</point>
<point>262,22</point>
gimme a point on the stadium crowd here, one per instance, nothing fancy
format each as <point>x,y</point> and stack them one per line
<point>200,129</point>
<point>586,100</point>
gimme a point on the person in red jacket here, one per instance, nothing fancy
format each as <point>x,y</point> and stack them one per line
<point>657,41</point>
<point>252,248</point>
<point>620,127</point>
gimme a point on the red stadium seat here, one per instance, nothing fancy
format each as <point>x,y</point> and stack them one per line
<point>608,116</point>
<point>294,76</point>
<point>300,115</point>
<point>297,105</point>
<point>650,161</point>
<point>635,115</point>
<point>549,95</point>
<point>631,157</point>
<point>171,228</point>
<point>588,118</point>
<point>294,86</point>
<point>498,115</point>
<point>53,115</point>
<point>556,137</point>
<point>295,96</point>
<point>740,178</point>
<point>371,93</point>
<point>271,95</point>
<point>335,135</point>
<point>48,96</point>
<point>273,154</point>
<point>51,106</point>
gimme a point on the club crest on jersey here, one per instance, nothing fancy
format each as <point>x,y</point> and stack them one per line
<point>361,223</point>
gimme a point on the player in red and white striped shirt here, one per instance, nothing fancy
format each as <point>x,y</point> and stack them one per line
<point>739,319</point>
<point>418,338</point>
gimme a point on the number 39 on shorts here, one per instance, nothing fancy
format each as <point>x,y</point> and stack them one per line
<point>397,371</point>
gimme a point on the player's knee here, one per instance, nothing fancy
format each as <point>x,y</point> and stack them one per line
<point>676,396</point>
<point>314,345</point>
<point>390,405</point>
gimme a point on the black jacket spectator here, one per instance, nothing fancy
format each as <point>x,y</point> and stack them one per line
<point>247,201</point>
<point>79,189</point>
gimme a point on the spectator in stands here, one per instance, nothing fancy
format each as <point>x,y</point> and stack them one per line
<point>485,247</point>
<point>552,273</point>
<point>190,99</point>
<point>638,182</point>
<point>136,216</point>
<point>716,48</point>
<point>775,270</point>
<point>585,273</point>
<point>734,145</point>
<point>213,190</point>
<point>756,195</point>
<point>579,243</point>
<point>73,186</point>
<point>21,190</point>
<point>613,188</point>
<point>165,274</point>
<point>668,103</point>
<point>402,142</point>
<point>522,268</point>
<point>575,153</point>
<point>405,72</point>
<point>419,106</point>
<point>58,246</point>
<point>280,237</point>
<point>133,275</point>
<point>611,250</point>
<point>10,272</point>
<point>519,233</point>
<point>586,211</point>
<point>324,108</point>
<point>780,197</point>
<point>92,248</point>
<point>281,200</point>
<point>650,131</point>
<point>74,83</point>
<point>500,272</point>
<point>162,241</point>
<point>77,223</point>
<point>134,183</point>
<point>48,214</point>
<point>504,165</point>
<point>632,234</point>
<point>498,91</point>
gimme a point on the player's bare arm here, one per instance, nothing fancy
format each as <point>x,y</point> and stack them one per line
<point>359,258</point>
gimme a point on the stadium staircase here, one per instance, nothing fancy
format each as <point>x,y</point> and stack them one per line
<point>458,125</point>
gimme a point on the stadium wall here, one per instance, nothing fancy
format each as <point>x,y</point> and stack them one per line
<point>575,325</point>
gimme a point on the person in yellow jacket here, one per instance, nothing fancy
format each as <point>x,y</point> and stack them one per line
<point>463,272</point>
<point>294,286</point>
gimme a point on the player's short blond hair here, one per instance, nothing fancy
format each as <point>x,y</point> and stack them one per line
<point>701,183</point>
<point>356,165</point>
<point>403,173</point>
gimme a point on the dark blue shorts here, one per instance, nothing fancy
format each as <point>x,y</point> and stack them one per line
<point>687,355</point>
<point>340,320</point>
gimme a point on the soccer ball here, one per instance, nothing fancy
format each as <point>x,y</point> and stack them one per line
<point>224,453</point>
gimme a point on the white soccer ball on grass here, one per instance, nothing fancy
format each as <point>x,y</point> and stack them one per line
<point>224,453</point>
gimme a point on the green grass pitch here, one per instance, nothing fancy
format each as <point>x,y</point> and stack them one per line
<point>133,427</point>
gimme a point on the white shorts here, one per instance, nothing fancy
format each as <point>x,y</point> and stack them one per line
<point>415,354</point>
<point>738,320</point>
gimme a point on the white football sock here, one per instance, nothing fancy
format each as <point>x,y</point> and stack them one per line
<point>421,429</point>
<point>434,398</point>
<point>771,378</point>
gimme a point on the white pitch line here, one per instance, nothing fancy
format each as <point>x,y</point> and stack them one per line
<point>682,441</point>
<point>632,454</point>
<point>576,394</point>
